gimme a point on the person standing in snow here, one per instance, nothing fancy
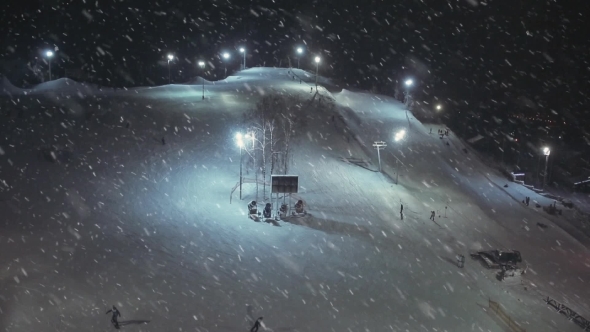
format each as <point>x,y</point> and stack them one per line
<point>432,215</point>
<point>401,211</point>
<point>256,325</point>
<point>460,261</point>
<point>116,314</point>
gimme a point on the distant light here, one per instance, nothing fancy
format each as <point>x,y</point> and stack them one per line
<point>242,50</point>
<point>49,54</point>
<point>299,50</point>
<point>400,135</point>
<point>438,107</point>
<point>170,57</point>
<point>226,55</point>
<point>546,151</point>
<point>239,139</point>
<point>317,59</point>
<point>202,64</point>
<point>409,82</point>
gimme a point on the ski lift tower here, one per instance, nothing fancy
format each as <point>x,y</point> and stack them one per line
<point>379,145</point>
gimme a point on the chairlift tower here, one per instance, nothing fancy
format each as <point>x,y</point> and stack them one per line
<point>379,145</point>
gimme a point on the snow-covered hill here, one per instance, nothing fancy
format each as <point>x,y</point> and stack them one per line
<point>98,211</point>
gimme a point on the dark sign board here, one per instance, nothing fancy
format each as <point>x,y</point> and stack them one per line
<point>284,184</point>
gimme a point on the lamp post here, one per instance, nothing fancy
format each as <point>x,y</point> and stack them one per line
<point>546,152</point>
<point>170,58</point>
<point>202,65</point>
<point>225,57</point>
<point>400,135</point>
<point>252,135</point>
<point>49,55</point>
<point>299,52</point>
<point>243,50</point>
<point>408,83</point>
<point>241,145</point>
<point>317,66</point>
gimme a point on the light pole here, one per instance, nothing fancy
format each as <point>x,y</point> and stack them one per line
<point>546,152</point>
<point>202,65</point>
<point>225,57</point>
<point>243,50</point>
<point>49,55</point>
<point>252,135</point>
<point>400,135</point>
<point>241,145</point>
<point>299,52</point>
<point>170,58</point>
<point>408,83</point>
<point>317,66</point>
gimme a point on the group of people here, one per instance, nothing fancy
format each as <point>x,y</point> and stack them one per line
<point>117,314</point>
<point>526,200</point>
<point>441,132</point>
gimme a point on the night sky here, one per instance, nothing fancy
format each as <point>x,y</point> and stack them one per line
<point>494,56</point>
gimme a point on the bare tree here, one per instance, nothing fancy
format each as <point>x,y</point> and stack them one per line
<point>274,111</point>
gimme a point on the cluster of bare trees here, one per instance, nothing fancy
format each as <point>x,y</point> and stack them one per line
<point>273,125</point>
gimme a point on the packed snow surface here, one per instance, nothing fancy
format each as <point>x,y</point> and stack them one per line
<point>122,197</point>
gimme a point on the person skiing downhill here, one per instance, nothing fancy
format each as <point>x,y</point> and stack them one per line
<point>116,314</point>
<point>256,325</point>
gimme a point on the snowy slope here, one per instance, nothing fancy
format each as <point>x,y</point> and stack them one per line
<point>123,219</point>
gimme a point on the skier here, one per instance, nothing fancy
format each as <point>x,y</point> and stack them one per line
<point>432,215</point>
<point>163,141</point>
<point>256,325</point>
<point>460,261</point>
<point>431,130</point>
<point>116,314</point>
<point>401,212</point>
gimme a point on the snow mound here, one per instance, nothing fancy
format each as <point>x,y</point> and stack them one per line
<point>6,87</point>
<point>197,80</point>
<point>63,84</point>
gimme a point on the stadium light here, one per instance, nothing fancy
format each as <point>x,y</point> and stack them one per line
<point>49,55</point>
<point>317,66</point>
<point>546,152</point>
<point>299,53</point>
<point>202,65</point>
<point>243,50</point>
<point>225,56</point>
<point>170,58</point>
<point>240,143</point>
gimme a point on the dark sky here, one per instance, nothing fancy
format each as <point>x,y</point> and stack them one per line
<point>492,54</point>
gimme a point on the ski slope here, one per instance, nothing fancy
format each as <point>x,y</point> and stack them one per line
<point>126,220</point>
